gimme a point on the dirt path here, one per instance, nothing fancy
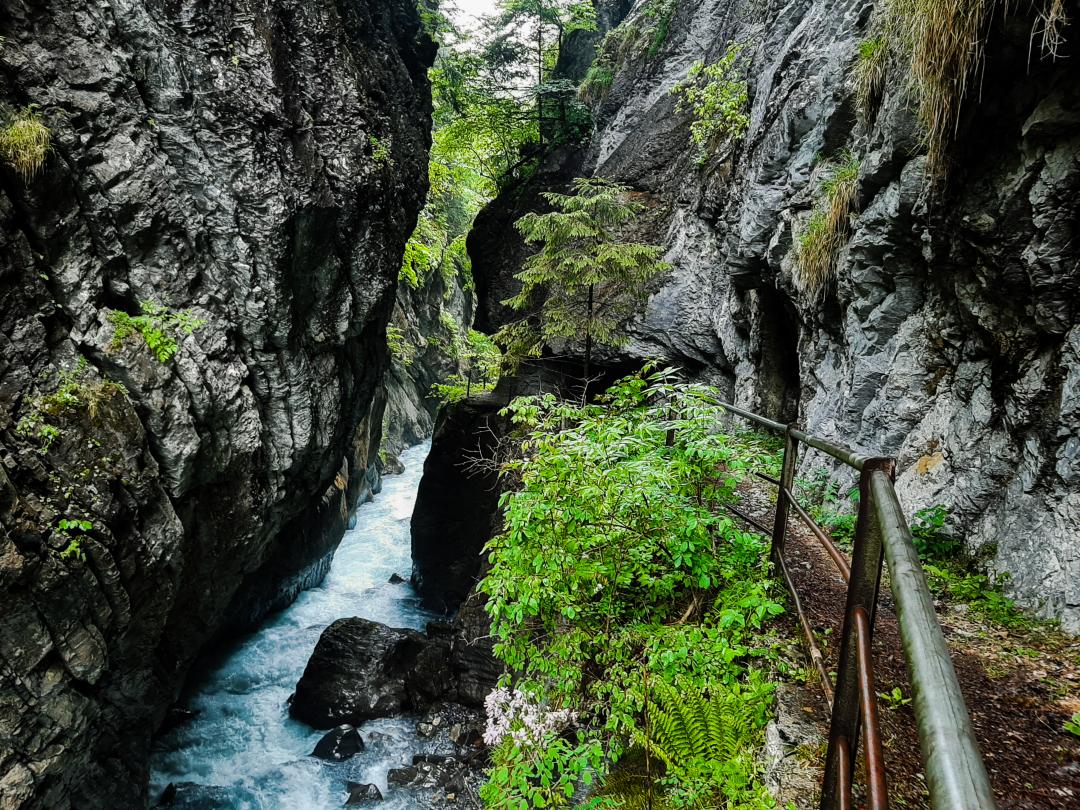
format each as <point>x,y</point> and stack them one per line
<point>1020,686</point>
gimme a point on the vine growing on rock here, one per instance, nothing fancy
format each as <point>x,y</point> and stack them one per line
<point>618,576</point>
<point>716,96</point>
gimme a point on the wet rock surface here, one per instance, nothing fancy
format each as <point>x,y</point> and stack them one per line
<point>339,744</point>
<point>457,503</point>
<point>949,338</point>
<point>221,162</point>
<point>362,794</point>
<point>361,670</point>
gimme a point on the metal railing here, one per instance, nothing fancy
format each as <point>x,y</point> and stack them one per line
<point>955,774</point>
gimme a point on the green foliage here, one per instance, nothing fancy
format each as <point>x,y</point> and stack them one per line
<point>1072,725</point>
<point>871,62</point>
<point>825,232</point>
<point>708,744</point>
<point>615,573</point>
<point>894,698</point>
<point>25,143</point>
<point>480,360</point>
<point>597,82</point>
<point>716,95</point>
<point>74,395</point>
<point>157,326</point>
<point>543,775</point>
<point>401,350</point>
<point>591,281</point>
<point>380,152</point>
<point>947,574</point>
<point>73,550</point>
<point>659,14</point>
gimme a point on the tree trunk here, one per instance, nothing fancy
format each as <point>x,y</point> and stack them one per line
<point>588,339</point>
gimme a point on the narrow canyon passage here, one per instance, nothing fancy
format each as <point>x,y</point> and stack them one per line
<point>242,739</point>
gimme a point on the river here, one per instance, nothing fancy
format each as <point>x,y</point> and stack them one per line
<point>242,738</point>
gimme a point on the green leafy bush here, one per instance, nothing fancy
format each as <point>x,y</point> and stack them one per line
<point>73,550</point>
<point>156,325</point>
<point>616,569</point>
<point>380,152</point>
<point>401,350</point>
<point>716,95</point>
<point>25,143</point>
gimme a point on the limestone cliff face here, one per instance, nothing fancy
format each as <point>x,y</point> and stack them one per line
<point>951,336</point>
<point>259,166</point>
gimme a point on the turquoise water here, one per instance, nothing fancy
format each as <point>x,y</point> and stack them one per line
<point>243,738</point>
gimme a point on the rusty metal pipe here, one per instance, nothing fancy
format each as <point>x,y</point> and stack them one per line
<point>808,634</point>
<point>837,555</point>
<point>877,793</point>
<point>843,763</point>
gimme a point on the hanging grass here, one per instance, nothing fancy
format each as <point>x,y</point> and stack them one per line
<point>825,232</point>
<point>870,66</point>
<point>25,143</point>
<point>944,41</point>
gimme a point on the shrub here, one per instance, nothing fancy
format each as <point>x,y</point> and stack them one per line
<point>717,96</point>
<point>25,143</point>
<point>156,325</point>
<point>380,152</point>
<point>825,232</point>
<point>616,573</point>
<point>597,82</point>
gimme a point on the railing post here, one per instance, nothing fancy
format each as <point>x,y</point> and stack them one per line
<point>787,480</point>
<point>862,593</point>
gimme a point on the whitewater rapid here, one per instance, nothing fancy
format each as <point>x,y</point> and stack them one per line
<point>242,738</point>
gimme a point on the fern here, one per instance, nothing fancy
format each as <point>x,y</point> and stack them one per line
<point>707,743</point>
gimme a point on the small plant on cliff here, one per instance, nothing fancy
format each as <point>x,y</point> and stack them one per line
<point>157,326</point>
<point>587,280</point>
<point>67,529</point>
<point>825,232</point>
<point>74,394</point>
<point>25,143</point>
<point>871,62</point>
<point>380,152</point>
<point>717,96</point>
<point>401,350</point>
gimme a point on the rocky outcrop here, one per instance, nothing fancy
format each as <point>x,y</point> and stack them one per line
<point>950,337</point>
<point>457,501</point>
<point>258,167</point>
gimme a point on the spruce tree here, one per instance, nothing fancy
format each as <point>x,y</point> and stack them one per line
<point>590,280</point>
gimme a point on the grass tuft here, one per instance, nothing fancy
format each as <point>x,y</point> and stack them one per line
<point>25,143</point>
<point>870,65</point>
<point>825,232</point>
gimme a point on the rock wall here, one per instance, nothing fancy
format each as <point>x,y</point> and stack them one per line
<point>258,165</point>
<point>951,336</point>
<point>432,318</point>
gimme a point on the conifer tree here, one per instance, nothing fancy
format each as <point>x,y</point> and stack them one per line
<point>590,280</point>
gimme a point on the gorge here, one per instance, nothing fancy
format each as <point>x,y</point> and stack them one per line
<point>227,314</point>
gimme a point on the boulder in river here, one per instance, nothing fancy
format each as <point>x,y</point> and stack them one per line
<point>361,793</point>
<point>339,744</point>
<point>361,670</point>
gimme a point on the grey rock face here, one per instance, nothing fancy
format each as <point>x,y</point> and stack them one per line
<point>949,337</point>
<point>224,160</point>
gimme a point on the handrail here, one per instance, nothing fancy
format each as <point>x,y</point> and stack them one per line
<point>955,773</point>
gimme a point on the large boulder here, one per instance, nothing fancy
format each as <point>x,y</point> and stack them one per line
<point>361,670</point>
